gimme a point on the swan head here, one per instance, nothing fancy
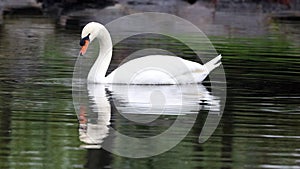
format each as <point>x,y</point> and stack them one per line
<point>88,34</point>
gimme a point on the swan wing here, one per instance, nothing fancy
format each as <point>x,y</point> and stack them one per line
<point>158,69</point>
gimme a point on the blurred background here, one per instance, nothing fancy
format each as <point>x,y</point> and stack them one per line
<point>238,14</point>
<point>260,44</point>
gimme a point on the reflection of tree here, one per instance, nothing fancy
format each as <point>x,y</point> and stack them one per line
<point>17,65</point>
<point>6,98</point>
<point>36,116</point>
<point>227,142</point>
<point>98,158</point>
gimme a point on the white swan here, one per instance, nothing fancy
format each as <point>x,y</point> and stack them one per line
<point>151,69</point>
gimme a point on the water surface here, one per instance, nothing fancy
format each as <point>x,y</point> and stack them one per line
<point>39,126</point>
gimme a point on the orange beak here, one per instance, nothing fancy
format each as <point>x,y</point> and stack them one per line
<point>84,47</point>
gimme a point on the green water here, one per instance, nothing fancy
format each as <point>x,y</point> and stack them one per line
<point>39,126</point>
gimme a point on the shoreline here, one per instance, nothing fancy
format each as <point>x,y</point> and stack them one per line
<point>213,17</point>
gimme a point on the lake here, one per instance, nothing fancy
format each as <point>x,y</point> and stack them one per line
<point>41,128</point>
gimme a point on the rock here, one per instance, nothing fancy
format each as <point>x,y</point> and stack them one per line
<point>23,7</point>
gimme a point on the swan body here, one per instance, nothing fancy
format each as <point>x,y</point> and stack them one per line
<point>151,69</point>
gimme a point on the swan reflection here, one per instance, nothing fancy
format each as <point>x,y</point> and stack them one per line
<point>141,104</point>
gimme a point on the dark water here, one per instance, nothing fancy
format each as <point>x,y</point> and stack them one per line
<point>39,126</point>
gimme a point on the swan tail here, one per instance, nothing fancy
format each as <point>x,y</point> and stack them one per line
<point>212,64</point>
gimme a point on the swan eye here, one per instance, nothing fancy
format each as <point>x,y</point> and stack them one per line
<point>82,41</point>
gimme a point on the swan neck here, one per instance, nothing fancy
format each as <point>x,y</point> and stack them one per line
<point>100,67</point>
